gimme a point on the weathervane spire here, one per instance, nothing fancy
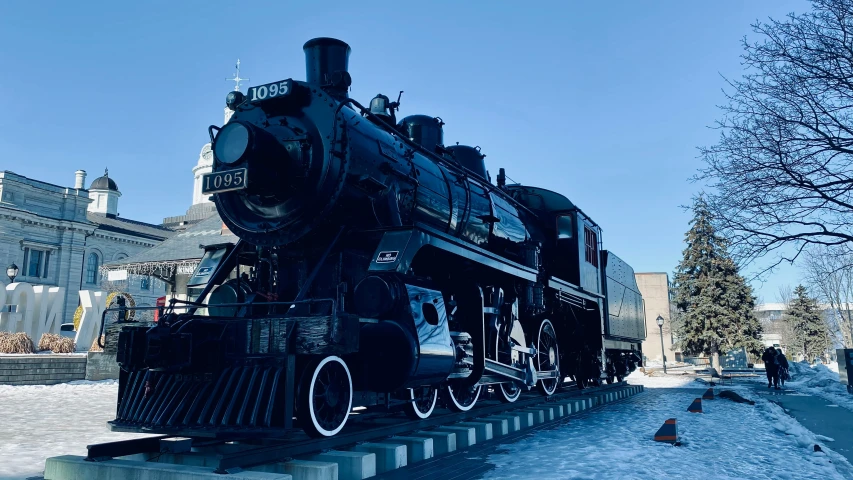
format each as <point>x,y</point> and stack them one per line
<point>236,79</point>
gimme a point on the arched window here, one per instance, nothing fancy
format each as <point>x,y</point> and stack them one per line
<point>92,268</point>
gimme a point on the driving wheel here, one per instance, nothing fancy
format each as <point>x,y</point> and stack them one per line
<point>547,356</point>
<point>421,402</point>
<point>462,399</point>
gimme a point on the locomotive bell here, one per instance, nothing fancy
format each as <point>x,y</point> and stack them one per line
<point>379,106</point>
<point>326,64</point>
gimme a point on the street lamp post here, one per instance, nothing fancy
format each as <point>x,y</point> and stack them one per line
<point>662,352</point>
<point>12,272</point>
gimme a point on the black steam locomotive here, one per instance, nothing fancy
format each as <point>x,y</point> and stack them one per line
<point>377,267</point>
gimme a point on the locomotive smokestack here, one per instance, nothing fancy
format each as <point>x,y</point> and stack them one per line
<point>326,63</point>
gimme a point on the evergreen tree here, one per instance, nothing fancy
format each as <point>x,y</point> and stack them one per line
<point>715,303</point>
<point>811,334</point>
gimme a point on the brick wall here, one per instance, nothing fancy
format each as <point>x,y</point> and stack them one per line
<point>47,369</point>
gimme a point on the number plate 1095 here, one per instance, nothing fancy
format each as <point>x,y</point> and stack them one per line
<point>270,90</point>
<point>224,181</point>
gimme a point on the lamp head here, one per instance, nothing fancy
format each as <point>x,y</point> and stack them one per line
<point>12,272</point>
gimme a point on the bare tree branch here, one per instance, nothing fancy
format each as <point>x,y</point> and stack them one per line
<point>782,171</point>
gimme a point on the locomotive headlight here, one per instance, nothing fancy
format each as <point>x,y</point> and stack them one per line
<point>231,143</point>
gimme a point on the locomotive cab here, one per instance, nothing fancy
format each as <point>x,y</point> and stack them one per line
<point>571,238</point>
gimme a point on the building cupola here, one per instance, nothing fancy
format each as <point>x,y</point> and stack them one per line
<point>104,195</point>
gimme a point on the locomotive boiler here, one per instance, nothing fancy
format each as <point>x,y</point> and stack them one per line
<point>377,267</point>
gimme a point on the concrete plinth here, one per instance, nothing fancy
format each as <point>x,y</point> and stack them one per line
<point>388,457</point>
<point>483,429</point>
<point>526,418</point>
<point>559,410</point>
<point>538,415</point>
<point>465,436</point>
<point>311,470</point>
<point>513,421</point>
<point>442,442</point>
<point>351,465</point>
<point>71,467</point>
<point>500,426</point>
<point>419,448</point>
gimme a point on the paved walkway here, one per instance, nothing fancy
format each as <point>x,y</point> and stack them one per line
<point>818,415</point>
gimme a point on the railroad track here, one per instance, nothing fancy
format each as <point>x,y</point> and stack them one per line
<point>232,458</point>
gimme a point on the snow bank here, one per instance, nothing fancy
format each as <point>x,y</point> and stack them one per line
<point>40,421</point>
<point>675,380</point>
<point>820,381</point>
<point>728,441</point>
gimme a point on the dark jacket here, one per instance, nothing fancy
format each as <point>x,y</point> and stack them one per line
<point>782,360</point>
<point>769,358</point>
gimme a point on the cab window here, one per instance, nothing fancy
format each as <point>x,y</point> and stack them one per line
<point>564,227</point>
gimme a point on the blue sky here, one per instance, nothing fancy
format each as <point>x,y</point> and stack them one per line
<point>604,103</point>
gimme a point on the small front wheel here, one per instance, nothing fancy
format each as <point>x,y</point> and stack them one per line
<point>325,397</point>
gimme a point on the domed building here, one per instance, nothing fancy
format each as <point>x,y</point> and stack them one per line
<point>61,237</point>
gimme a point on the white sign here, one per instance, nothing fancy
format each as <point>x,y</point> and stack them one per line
<point>38,309</point>
<point>116,275</point>
<point>94,304</point>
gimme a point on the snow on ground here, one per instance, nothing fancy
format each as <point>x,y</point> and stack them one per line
<point>40,421</point>
<point>728,441</point>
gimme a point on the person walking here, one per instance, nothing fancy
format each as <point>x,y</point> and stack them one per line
<point>782,361</point>
<point>771,367</point>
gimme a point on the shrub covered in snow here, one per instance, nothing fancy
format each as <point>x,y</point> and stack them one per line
<point>15,343</point>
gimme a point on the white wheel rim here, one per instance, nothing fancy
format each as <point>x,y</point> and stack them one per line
<point>507,396</point>
<point>415,409</point>
<point>555,353</point>
<point>459,405</point>
<point>321,430</point>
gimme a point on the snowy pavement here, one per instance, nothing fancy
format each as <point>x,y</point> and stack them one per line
<point>728,441</point>
<point>822,381</point>
<point>40,421</point>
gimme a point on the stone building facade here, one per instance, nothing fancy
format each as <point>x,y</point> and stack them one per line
<point>61,236</point>
<point>655,289</point>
